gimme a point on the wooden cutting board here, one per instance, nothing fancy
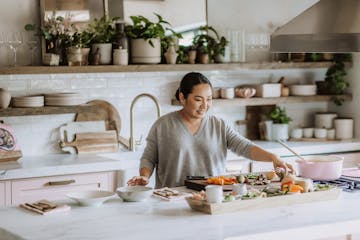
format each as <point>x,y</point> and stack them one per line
<point>103,110</point>
<point>259,203</point>
<point>94,142</point>
<point>199,185</point>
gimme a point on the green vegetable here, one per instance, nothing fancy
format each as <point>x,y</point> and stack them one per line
<point>229,198</point>
<point>241,179</point>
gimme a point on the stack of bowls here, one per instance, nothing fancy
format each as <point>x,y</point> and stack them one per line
<point>29,101</point>
<point>63,99</point>
<point>303,90</point>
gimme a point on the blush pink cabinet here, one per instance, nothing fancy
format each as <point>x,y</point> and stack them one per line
<point>5,193</point>
<point>54,187</point>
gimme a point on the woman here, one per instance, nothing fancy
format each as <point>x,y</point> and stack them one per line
<point>191,142</point>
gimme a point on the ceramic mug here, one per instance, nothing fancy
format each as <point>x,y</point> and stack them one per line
<point>214,193</point>
<point>308,132</point>
<point>297,133</point>
<point>320,133</point>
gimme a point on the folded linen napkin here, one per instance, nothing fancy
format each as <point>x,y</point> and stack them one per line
<point>170,194</point>
<point>45,207</point>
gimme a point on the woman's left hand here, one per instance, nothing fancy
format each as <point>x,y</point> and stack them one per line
<point>287,167</point>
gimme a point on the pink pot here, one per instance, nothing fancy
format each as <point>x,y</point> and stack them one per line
<point>321,167</point>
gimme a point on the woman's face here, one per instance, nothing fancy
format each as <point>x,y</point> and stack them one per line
<point>198,101</point>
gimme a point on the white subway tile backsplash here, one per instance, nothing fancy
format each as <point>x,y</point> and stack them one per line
<point>38,135</point>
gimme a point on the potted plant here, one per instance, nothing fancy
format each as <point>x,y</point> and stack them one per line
<point>78,48</point>
<point>335,82</point>
<point>191,54</point>
<point>146,39</point>
<point>103,32</point>
<point>280,126</point>
<point>219,51</point>
<point>170,47</point>
<point>205,43</point>
<point>56,31</point>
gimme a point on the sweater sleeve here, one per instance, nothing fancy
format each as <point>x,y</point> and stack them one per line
<point>149,158</point>
<point>237,143</point>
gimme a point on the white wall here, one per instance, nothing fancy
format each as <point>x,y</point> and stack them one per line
<point>254,15</point>
<point>178,13</point>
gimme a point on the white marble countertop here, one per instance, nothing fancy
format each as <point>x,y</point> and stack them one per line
<point>158,219</point>
<point>60,164</point>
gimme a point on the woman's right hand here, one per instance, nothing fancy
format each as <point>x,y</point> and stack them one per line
<point>138,180</point>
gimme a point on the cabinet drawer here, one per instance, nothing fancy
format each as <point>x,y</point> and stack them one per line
<point>55,188</point>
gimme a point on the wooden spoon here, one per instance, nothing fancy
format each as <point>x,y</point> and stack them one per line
<point>290,149</point>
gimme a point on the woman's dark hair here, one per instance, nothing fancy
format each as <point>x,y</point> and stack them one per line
<point>189,81</point>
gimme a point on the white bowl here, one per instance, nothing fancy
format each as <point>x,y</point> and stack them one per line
<point>134,193</point>
<point>91,197</point>
<point>303,90</point>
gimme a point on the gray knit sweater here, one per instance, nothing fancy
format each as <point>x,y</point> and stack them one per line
<point>176,153</point>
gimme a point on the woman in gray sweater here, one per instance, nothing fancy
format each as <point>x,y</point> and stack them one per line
<point>190,142</point>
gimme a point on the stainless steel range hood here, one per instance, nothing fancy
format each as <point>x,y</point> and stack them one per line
<point>327,26</point>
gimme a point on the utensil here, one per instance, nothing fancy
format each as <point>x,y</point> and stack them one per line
<point>290,149</point>
<point>93,142</point>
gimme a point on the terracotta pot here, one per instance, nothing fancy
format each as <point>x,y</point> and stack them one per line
<point>321,167</point>
<point>204,58</point>
<point>192,56</point>
<point>5,98</point>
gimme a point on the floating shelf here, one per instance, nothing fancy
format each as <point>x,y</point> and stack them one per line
<point>47,110</point>
<point>160,67</point>
<point>255,101</point>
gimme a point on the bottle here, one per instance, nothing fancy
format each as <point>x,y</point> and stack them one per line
<point>120,40</point>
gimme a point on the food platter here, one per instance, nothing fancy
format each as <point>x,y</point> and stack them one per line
<point>262,190</point>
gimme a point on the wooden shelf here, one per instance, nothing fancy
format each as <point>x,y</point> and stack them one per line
<point>159,67</point>
<point>47,110</point>
<point>272,101</point>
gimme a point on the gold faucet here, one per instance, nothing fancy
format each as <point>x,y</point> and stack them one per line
<point>130,144</point>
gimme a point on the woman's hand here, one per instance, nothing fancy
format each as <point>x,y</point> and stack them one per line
<point>138,180</point>
<point>286,167</point>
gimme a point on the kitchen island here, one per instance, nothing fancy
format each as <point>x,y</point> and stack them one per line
<point>158,219</point>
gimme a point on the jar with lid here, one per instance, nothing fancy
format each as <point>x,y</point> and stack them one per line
<point>120,39</point>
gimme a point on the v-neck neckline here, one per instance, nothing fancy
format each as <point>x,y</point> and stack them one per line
<point>197,133</point>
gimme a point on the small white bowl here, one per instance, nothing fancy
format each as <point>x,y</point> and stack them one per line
<point>134,193</point>
<point>91,197</point>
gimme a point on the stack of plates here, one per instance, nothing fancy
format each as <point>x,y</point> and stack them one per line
<point>63,99</point>
<point>29,101</point>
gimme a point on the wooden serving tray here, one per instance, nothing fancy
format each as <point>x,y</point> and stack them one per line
<point>258,203</point>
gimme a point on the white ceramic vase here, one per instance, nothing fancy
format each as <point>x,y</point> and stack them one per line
<point>171,55</point>
<point>280,131</point>
<point>5,98</point>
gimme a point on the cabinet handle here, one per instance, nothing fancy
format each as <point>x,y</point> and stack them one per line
<point>65,182</point>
